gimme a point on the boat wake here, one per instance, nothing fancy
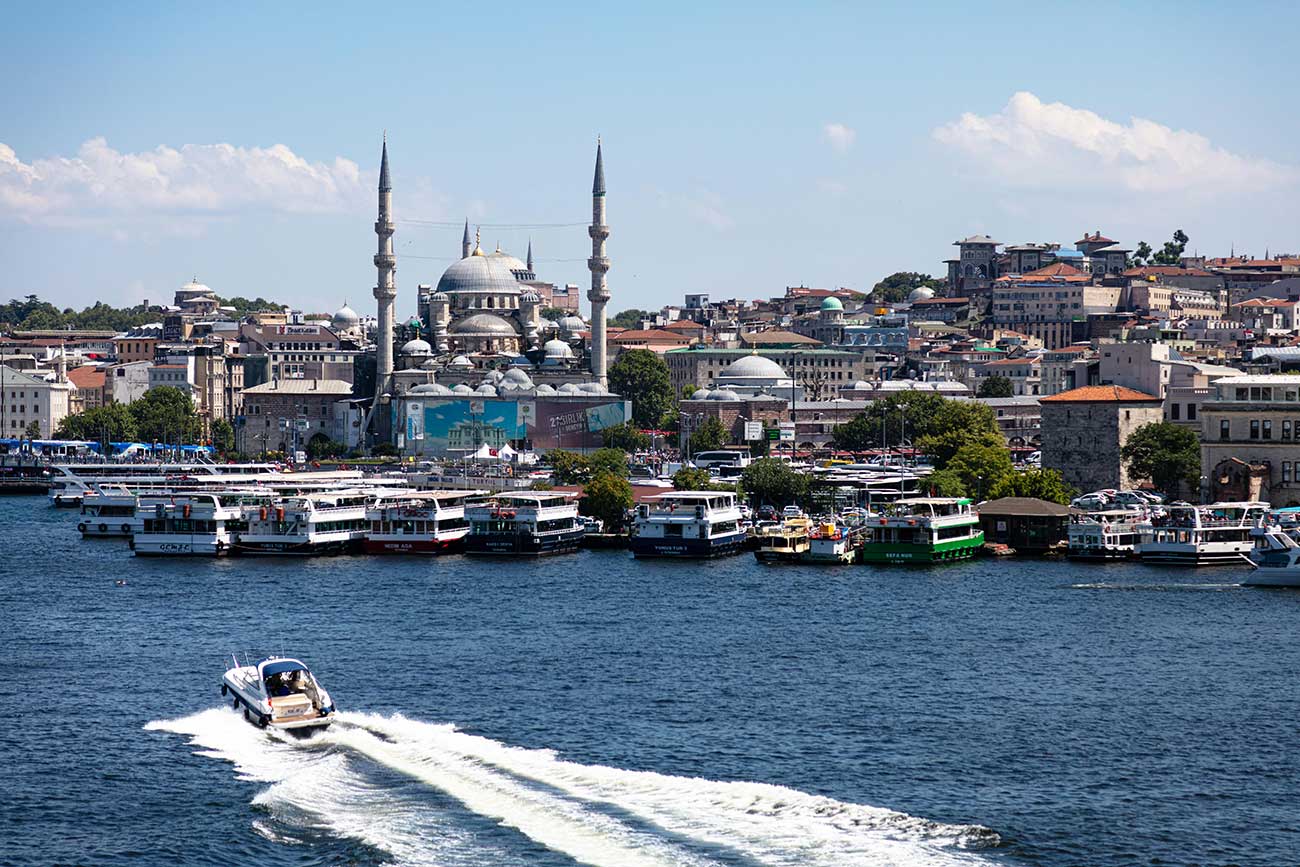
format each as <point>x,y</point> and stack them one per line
<point>426,793</point>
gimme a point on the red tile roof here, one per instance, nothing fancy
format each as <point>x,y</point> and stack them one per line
<point>1101,394</point>
<point>1095,238</point>
<point>1165,271</point>
<point>86,377</point>
<point>652,335</point>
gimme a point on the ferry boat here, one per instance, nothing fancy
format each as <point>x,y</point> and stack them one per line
<point>923,530</point>
<point>108,511</point>
<point>71,483</point>
<point>1217,534</point>
<point>832,542</point>
<point>326,522</point>
<point>418,522</point>
<point>688,524</point>
<point>1276,557</point>
<point>278,693</point>
<point>787,542</point>
<point>191,525</point>
<point>524,523</point>
<point>1107,535</point>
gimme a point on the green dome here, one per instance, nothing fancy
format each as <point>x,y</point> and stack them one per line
<point>830,302</point>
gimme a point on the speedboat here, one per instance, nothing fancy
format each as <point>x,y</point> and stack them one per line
<point>1276,557</point>
<point>278,692</point>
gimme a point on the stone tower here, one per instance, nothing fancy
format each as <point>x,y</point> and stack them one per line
<point>598,264</point>
<point>386,285</point>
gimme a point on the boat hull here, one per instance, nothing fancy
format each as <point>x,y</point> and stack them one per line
<point>784,555</point>
<point>107,529</point>
<point>524,545</point>
<point>305,548</point>
<point>179,547</point>
<point>697,549</point>
<point>1186,555</point>
<point>940,552</point>
<point>413,546</point>
<point>1285,576</point>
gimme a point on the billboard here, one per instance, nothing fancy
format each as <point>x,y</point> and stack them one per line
<point>459,426</point>
<point>455,427</point>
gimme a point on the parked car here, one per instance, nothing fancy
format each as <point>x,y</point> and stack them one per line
<point>792,512</point>
<point>767,513</point>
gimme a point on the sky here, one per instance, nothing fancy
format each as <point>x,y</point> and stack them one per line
<point>748,147</point>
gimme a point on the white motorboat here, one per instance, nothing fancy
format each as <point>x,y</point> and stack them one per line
<point>1217,534</point>
<point>108,511</point>
<point>1276,556</point>
<point>278,692</point>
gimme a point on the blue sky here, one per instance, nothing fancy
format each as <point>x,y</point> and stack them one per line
<point>748,147</point>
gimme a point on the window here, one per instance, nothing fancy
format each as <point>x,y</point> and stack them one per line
<point>1254,428</point>
<point>1268,428</point>
<point>1225,429</point>
<point>1191,412</point>
<point>1286,429</point>
<point>1174,409</point>
<point>1286,472</point>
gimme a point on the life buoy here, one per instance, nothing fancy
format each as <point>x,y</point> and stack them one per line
<point>82,526</point>
<point>126,529</point>
<point>103,528</point>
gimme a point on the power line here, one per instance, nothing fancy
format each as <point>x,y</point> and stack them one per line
<point>445,225</point>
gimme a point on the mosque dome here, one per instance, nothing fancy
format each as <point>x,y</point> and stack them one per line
<point>439,298</point>
<point>830,302</point>
<point>486,389</point>
<point>549,325</point>
<point>557,349</point>
<point>193,289</point>
<point>506,259</point>
<point>568,388</point>
<point>530,297</point>
<point>345,318</point>
<point>545,389</point>
<point>724,394</point>
<point>592,388</point>
<point>754,367</point>
<point>483,325</point>
<point>920,293</point>
<point>700,394</point>
<point>416,347</point>
<point>517,377</point>
<point>572,324</point>
<point>461,361</point>
<point>478,274</point>
<point>862,385</point>
<point>462,389</point>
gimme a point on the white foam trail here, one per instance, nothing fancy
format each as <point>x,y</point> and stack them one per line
<point>769,824</point>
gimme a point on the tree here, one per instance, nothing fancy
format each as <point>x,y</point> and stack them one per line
<point>33,429</point>
<point>1041,484</point>
<point>918,415</point>
<point>641,376</point>
<point>772,481</point>
<point>996,386</point>
<point>568,468</point>
<point>1142,255</point>
<point>980,466</point>
<point>607,497</point>
<point>1167,454</point>
<point>710,435</point>
<point>629,318</point>
<point>689,389</point>
<point>611,461</point>
<point>165,414</point>
<point>897,286</point>
<point>1173,250</point>
<point>945,483</point>
<point>624,437</point>
<point>223,436</point>
<point>692,479</point>
<point>320,447</point>
<point>112,422</point>
<point>383,450</point>
<point>554,313</point>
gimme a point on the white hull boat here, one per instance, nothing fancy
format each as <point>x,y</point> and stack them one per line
<point>279,693</point>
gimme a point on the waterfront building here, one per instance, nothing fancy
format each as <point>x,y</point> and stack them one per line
<point>27,399</point>
<point>1083,430</point>
<point>1250,439</point>
<point>274,411</point>
<point>1029,525</point>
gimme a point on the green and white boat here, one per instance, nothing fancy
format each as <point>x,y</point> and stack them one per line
<point>923,530</point>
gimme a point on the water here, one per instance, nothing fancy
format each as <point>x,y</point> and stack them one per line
<point>593,709</point>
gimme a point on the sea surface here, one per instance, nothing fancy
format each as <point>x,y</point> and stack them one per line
<point>597,710</point>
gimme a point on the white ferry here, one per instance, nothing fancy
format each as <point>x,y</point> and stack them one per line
<point>688,524</point>
<point>1107,535</point>
<point>326,522</point>
<point>108,511</point>
<point>280,693</point>
<point>70,483</point>
<point>191,525</point>
<point>1276,557</point>
<point>418,522</point>
<point>524,523</point>
<point>923,530</point>
<point>1217,534</point>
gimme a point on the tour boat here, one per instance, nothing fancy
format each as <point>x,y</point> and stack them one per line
<point>418,522</point>
<point>923,530</point>
<point>280,693</point>
<point>325,522</point>
<point>688,524</point>
<point>191,525</point>
<point>108,511</point>
<point>1106,535</point>
<point>1276,557</point>
<point>1217,534</point>
<point>785,543</point>
<point>524,523</point>
<point>71,483</point>
<point>832,542</point>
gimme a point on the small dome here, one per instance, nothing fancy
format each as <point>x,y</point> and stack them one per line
<point>862,385</point>
<point>568,388</point>
<point>486,324</point>
<point>516,376</point>
<point>549,325</point>
<point>545,388</point>
<point>462,388</point>
<point>416,347</point>
<point>345,318</point>
<point>439,388</point>
<point>486,389</point>
<point>461,361</point>
<point>431,364</point>
<point>920,293</point>
<point>530,297</point>
<point>592,388</point>
<point>557,349</point>
<point>754,366</point>
<point>414,322</point>
<point>724,394</point>
<point>572,324</point>
<point>700,394</point>
<point>830,302</point>
<point>439,298</point>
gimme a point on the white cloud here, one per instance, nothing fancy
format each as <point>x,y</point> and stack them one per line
<point>1036,144</point>
<point>703,206</point>
<point>839,136</point>
<point>101,186</point>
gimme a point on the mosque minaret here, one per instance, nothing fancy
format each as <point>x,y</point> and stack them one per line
<point>386,285</point>
<point>598,264</point>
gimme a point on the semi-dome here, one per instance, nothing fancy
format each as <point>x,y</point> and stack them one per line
<point>920,293</point>
<point>416,347</point>
<point>345,318</point>
<point>478,274</point>
<point>530,297</point>
<point>830,302</point>
<point>506,259</point>
<point>755,367</point>
<point>557,349</point>
<point>483,325</point>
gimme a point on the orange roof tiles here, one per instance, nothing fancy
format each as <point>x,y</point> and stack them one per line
<point>86,377</point>
<point>1101,394</point>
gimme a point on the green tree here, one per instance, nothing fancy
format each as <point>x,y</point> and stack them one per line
<point>692,479</point>
<point>1142,255</point>
<point>554,313</point>
<point>244,306</point>
<point>383,450</point>
<point>772,481</point>
<point>165,414</point>
<point>1041,484</point>
<point>996,386</point>
<point>629,318</point>
<point>611,461</point>
<point>1167,454</point>
<point>945,483</point>
<point>1172,252</point>
<point>607,497</point>
<point>33,430</point>
<point>567,467</point>
<point>709,435</point>
<point>897,286</point>
<point>689,389</point>
<point>921,416</point>
<point>641,376</point>
<point>624,437</point>
<point>321,447</point>
<point>112,422</point>
<point>223,436</point>
<point>980,466</point>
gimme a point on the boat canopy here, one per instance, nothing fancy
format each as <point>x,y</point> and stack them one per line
<point>276,666</point>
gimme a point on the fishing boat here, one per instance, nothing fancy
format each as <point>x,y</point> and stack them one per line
<point>786,542</point>
<point>192,525</point>
<point>418,522</point>
<point>688,524</point>
<point>1276,557</point>
<point>923,530</point>
<point>1217,534</point>
<point>524,523</point>
<point>323,522</point>
<point>1111,534</point>
<point>279,693</point>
